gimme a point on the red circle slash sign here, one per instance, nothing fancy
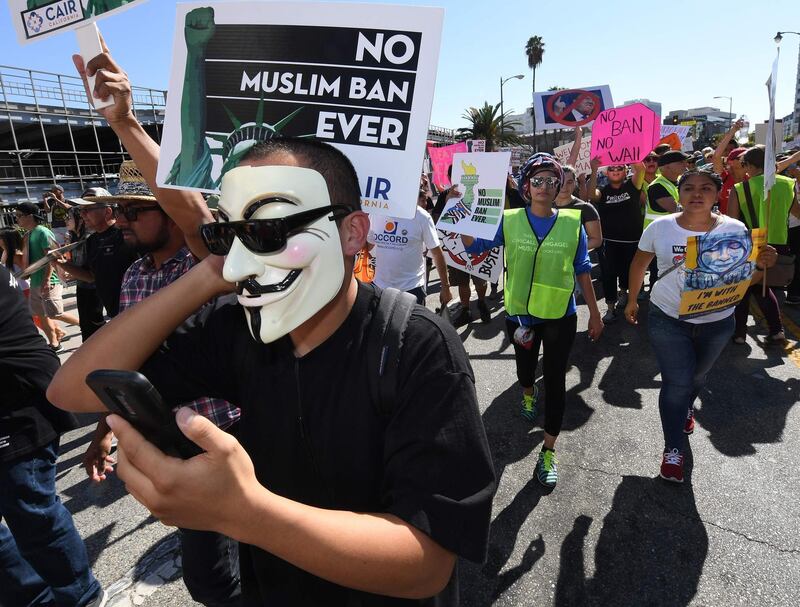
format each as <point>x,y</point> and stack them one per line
<point>580,96</point>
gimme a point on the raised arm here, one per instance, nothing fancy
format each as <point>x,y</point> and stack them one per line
<point>787,162</point>
<point>638,175</point>
<point>576,147</point>
<point>723,143</point>
<point>591,190</point>
<point>186,208</point>
<point>142,327</point>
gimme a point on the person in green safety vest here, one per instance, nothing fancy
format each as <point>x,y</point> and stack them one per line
<point>662,195</point>
<point>783,203</point>
<point>662,192</point>
<point>546,252</point>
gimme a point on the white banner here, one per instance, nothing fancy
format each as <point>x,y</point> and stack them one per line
<point>488,265</point>
<point>582,163</point>
<point>774,138</point>
<point>481,181</point>
<point>37,19</point>
<point>477,145</point>
<point>680,131</point>
<point>360,77</point>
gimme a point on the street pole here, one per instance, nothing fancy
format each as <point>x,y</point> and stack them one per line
<point>502,110</point>
<point>502,113</point>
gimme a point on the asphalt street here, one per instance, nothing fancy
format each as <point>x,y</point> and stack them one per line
<point>611,533</point>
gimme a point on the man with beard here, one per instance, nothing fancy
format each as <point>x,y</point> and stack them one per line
<point>335,499</point>
<point>210,560</point>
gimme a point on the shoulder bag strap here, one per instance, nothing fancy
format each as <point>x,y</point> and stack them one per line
<point>748,196</point>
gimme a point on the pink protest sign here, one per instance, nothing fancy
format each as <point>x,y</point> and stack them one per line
<point>441,158</point>
<point>625,135</point>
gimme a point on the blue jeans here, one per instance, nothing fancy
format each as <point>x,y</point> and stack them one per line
<point>42,557</point>
<point>685,352</point>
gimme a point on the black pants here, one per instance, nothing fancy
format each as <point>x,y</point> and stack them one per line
<point>617,262</point>
<point>211,568</point>
<point>557,337</point>
<point>90,311</point>
<point>794,245</point>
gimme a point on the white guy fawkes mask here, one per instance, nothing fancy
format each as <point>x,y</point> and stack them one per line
<point>281,290</point>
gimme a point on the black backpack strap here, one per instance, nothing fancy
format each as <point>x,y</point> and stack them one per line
<point>748,196</point>
<point>384,345</point>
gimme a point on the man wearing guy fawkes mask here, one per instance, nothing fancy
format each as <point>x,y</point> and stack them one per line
<point>333,502</point>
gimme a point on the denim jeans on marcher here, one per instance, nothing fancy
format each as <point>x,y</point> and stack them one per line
<point>43,560</point>
<point>686,352</point>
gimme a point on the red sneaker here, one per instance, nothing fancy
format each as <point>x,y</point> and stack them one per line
<point>688,427</point>
<point>672,466</point>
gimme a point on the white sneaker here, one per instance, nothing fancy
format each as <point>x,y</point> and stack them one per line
<point>100,600</point>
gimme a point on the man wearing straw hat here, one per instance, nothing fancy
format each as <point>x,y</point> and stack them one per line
<point>107,254</point>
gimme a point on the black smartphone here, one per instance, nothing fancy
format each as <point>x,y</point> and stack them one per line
<point>130,395</point>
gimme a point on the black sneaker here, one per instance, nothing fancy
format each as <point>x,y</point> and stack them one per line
<point>792,300</point>
<point>483,310</point>
<point>464,317</point>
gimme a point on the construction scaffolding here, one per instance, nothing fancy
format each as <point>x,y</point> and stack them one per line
<point>50,134</point>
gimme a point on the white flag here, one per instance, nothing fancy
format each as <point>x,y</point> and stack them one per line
<point>769,156</point>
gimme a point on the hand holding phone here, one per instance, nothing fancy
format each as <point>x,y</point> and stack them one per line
<point>130,395</point>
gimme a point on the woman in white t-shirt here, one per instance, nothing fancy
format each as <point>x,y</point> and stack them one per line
<point>687,342</point>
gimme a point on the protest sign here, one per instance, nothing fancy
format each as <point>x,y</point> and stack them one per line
<point>37,19</point>
<point>487,265</point>
<point>360,77</point>
<point>441,159</point>
<point>481,181</point>
<point>717,270</point>
<point>625,135</point>
<point>570,107</point>
<point>680,131</point>
<point>582,163</point>
<point>672,140</point>
<point>477,145</point>
<point>49,257</point>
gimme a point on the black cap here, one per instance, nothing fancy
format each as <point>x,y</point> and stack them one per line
<point>29,208</point>
<point>672,156</point>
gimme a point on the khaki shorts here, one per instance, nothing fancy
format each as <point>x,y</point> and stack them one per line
<point>460,278</point>
<point>50,306</point>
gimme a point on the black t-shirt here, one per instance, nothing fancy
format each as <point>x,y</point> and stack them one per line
<point>654,192</point>
<point>27,420</point>
<point>107,256</point>
<point>620,212</point>
<point>315,436</point>
<point>588,212</point>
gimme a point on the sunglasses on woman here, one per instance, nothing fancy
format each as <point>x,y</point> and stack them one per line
<point>262,235</point>
<point>538,182</point>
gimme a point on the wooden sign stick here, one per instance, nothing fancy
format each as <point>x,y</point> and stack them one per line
<point>766,242</point>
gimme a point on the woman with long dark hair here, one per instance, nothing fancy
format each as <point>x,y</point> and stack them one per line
<point>688,339</point>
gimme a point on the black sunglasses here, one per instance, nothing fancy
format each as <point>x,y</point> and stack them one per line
<point>262,235</point>
<point>132,213</point>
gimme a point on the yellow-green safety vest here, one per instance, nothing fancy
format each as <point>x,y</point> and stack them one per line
<point>651,214</point>
<point>540,276</point>
<point>781,196</point>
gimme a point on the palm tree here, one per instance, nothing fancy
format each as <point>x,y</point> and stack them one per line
<point>486,123</point>
<point>534,50</point>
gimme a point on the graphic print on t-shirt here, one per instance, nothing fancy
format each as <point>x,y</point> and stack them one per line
<point>718,269</point>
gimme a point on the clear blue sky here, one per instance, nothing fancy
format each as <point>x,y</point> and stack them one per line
<point>680,53</point>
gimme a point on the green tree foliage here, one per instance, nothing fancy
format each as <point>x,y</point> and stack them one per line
<point>486,123</point>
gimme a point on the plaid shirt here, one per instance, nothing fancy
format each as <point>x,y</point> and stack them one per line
<point>141,280</point>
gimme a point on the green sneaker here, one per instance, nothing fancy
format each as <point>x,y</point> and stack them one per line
<point>529,405</point>
<point>546,469</point>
